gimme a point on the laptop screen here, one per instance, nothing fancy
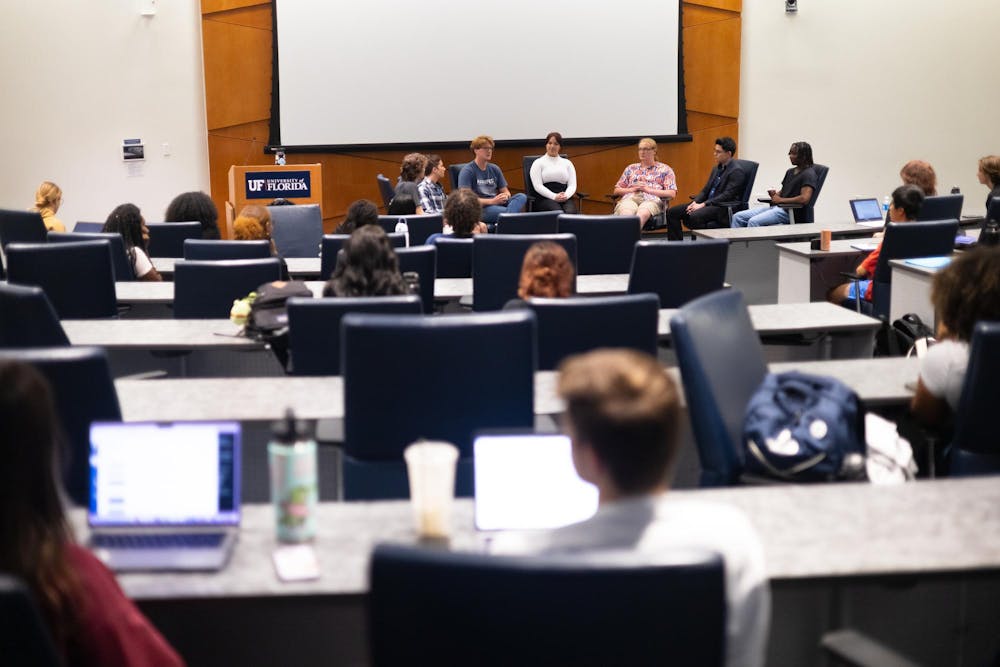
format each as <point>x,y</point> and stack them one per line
<point>148,474</point>
<point>528,481</point>
<point>867,210</point>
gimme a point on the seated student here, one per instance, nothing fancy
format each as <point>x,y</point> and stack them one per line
<point>461,216</point>
<point>48,198</point>
<point>725,184</point>
<point>921,174</point>
<point>644,185</point>
<point>989,175</point>
<point>546,272</point>
<point>621,416</point>
<point>195,206</point>
<point>796,188</point>
<point>487,181</point>
<point>360,213</point>
<point>406,199</point>
<point>367,267</point>
<point>127,221</point>
<point>554,178</point>
<point>963,293</point>
<point>254,224</point>
<point>89,618</point>
<point>431,192</point>
<point>905,206</point>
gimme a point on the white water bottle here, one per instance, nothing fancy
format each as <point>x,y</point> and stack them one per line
<point>403,228</point>
<point>885,203</point>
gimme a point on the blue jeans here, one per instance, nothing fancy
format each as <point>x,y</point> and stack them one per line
<point>515,204</point>
<point>754,217</point>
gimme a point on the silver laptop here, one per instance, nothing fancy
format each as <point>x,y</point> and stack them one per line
<point>164,496</point>
<point>868,212</point>
<point>527,481</point>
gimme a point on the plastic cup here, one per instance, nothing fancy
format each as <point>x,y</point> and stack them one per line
<point>825,236</point>
<point>430,467</point>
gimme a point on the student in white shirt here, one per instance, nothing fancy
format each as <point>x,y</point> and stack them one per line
<point>127,221</point>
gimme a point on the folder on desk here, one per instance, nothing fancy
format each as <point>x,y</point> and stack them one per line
<point>929,262</point>
<point>866,246</point>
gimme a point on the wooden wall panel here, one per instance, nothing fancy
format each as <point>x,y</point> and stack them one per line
<point>237,71</point>
<point>713,83</point>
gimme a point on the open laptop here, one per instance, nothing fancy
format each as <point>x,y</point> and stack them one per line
<point>527,481</point>
<point>868,212</point>
<point>164,496</point>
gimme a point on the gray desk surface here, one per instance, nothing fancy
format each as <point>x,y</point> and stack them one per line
<point>837,247</point>
<point>781,318</point>
<point>165,334</point>
<point>777,232</point>
<point>904,265</point>
<point>925,527</point>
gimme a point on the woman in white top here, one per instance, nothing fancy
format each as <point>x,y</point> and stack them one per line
<point>554,178</point>
<point>128,221</point>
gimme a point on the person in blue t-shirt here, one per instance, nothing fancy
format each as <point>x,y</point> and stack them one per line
<point>487,181</point>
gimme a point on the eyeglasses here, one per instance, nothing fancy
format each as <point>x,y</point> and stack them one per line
<point>646,149</point>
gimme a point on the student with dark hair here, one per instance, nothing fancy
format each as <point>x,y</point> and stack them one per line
<point>406,199</point>
<point>554,178</point>
<point>360,213</point>
<point>725,183</point>
<point>127,221</point>
<point>195,206</point>
<point>367,267</point>
<point>89,618</point>
<point>621,415</point>
<point>796,188</point>
<point>963,293</point>
<point>431,192</point>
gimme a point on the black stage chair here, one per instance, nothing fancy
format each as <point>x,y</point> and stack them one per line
<point>804,213</point>
<point>532,194</point>
<point>385,189</point>
<point>678,271</point>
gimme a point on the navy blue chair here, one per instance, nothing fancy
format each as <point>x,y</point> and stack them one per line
<point>445,378</point>
<point>385,189</point>
<point>804,213</point>
<point>82,227</point>
<point>545,610</point>
<point>975,448</point>
<point>421,260</point>
<point>579,324</point>
<point>78,278</point>
<point>314,328</point>
<point>83,392</point>
<point>25,640</point>
<point>419,227</point>
<point>497,261</point>
<point>21,227</point>
<point>750,168</point>
<point>123,269</point>
<point>454,257</point>
<point>604,243</point>
<point>941,207</point>
<point>166,239</point>
<point>454,170</point>
<point>678,271</point>
<point>722,365</point>
<point>212,249</point>
<point>541,222</point>
<point>330,245</point>
<point>27,319</point>
<point>208,289</point>
<point>296,230</point>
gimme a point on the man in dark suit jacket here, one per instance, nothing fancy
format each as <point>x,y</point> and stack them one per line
<point>725,184</point>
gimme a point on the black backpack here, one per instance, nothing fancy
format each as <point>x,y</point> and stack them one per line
<point>268,318</point>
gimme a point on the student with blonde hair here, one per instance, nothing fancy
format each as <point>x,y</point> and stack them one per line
<point>48,199</point>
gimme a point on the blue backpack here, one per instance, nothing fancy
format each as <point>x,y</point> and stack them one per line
<point>804,428</point>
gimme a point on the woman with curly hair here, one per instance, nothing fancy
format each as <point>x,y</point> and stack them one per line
<point>360,213</point>
<point>254,224</point>
<point>89,618</point>
<point>366,266</point>
<point>195,206</point>
<point>48,198</point>
<point>126,220</point>
<point>406,199</point>
<point>921,174</point>
<point>546,272</point>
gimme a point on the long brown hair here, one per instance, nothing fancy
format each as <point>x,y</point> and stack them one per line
<point>33,527</point>
<point>546,272</point>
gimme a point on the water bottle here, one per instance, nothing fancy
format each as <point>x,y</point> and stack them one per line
<point>990,235</point>
<point>292,459</point>
<point>403,228</point>
<point>955,190</point>
<point>886,200</point>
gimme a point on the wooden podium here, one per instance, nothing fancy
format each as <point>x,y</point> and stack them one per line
<point>260,184</point>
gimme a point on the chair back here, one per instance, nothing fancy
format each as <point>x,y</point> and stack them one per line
<point>678,271</point>
<point>906,240</point>
<point>529,188</point>
<point>83,392</point>
<point>419,227</point>
<point>27,319</point>
<point>749,168</point>
<point>78,277</point>
<point>807,212</point>
<point>296,230</point>
<point>454,257</point>
<point>120,264</point>
<point>330,245</point>
<point>25,640</point>
<point>21,227</point>
<point>453,171</point>
<point>88,227</point>
<point>385,189</point>
<point>213,250</point>
<point>314,327</point>
<point>539,222</point>
<point>166,239</point>
<point>545,610</point>
<point>496,265</point>
<point>207,289</point>
<point>422,260</point>
<point>445,377</point>
<point>975,448</point>
<point>604,243</point>
<point>941,207</point>
<point>722,365</point>
<point>580,324</point>
<point>992,212</point>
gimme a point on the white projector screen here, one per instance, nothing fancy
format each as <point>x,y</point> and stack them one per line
<point>389,72</point>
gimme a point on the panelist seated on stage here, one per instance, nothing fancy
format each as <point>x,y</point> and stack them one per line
<point>430,189</point>
<point>487,181</point>
<point>621,417</point>
<point>644,185</point>
<point>724,184</point>
<point>796,188</point>
<point>554,178</point>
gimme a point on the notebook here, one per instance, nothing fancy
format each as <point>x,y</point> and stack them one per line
<point>164,496</point>
<point>527,482</point>
<point>868,212</point>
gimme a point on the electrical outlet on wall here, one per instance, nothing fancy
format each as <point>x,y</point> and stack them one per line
<point>147,7</point>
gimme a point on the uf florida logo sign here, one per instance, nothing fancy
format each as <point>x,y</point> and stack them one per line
<point>273,184</point>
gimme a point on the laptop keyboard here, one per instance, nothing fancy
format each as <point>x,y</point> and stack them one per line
<point>159,541</point>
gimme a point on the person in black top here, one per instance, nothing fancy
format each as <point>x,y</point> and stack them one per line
<point>725,184</point>
<point>796,188</point>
